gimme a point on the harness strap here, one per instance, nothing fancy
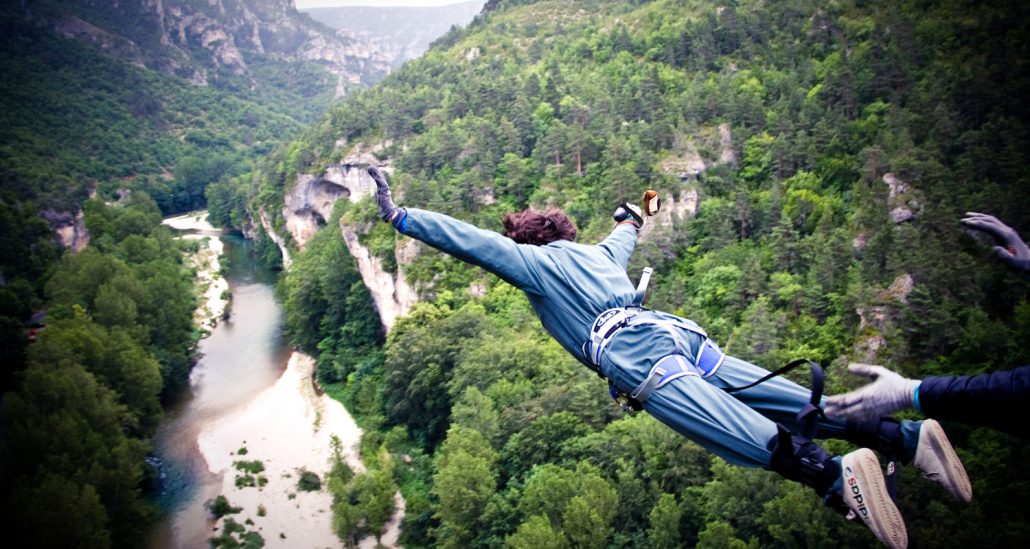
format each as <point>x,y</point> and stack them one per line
<point>665,370</point>
<point>641,293</point>
<point>809,415</point>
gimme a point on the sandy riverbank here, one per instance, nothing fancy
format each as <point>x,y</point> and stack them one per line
<point>288,429</point>
<point>193,221</point>
<point>212,285</point>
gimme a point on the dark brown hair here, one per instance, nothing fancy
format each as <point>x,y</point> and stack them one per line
<point>539,227</point>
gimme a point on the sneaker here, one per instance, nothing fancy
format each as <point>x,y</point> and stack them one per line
<point>937,461</point>
<point>865,494</point>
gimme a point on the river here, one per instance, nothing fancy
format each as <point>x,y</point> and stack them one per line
<point>248,391</point>
<point>242,357</point>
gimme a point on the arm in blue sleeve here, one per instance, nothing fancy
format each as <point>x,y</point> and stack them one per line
<point>998,399</point>
<point>498,254</point>
<point>620,243</point>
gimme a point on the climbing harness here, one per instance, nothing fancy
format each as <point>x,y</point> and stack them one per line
<point>707,360</point>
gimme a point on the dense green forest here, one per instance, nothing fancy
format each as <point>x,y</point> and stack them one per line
<point>82,402</point>
<point>118,337</point>
<point>76,120</point>
<point>860,133</point>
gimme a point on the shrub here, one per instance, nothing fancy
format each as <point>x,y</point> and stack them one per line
<point>219,507</point>
<point>309,482</point>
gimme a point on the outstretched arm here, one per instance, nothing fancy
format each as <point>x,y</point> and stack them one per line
<point>997,399</point>
<point>623,239</point>
<point>496,253</point>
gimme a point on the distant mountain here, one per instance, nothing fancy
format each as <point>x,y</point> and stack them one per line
<point>206,41</point>
<point>106,94</point>
<point>401,33</point>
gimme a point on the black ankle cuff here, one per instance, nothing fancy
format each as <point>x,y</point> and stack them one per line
<point>803,461</point>
<point>882,435</point>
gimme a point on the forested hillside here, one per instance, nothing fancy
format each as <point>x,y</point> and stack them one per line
<point>112,114</point>
<point>162,98</point>
<point>816,158</point>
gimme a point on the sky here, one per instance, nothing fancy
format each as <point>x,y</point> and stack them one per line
<point>304,4</point>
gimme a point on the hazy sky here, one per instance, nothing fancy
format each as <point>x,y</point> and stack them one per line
<point>302,4</point>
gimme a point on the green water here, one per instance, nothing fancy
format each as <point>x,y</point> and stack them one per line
<point>242,357</point>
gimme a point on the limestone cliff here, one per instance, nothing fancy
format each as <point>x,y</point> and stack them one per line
<point>392,294</point>
<point>70,228</point>
<point>687,163</point>
<point>309,205</point>
<point>266,224</point>
<point>880,318</point>
<point>904,201</point>
<point>200,40</point>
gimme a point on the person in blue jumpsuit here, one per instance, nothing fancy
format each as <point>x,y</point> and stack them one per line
<point>582,296</point>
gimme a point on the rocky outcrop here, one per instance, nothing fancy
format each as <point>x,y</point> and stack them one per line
<point>70,228</point>
<point>391,293</point>
<point>686,165</point>
<point>279,241</point>
<point>904,201</point>
<point>880,318</point>
<point>674,212</point>
<point>727,154</point>
<point>364,154</point>
<point>199,40</point>
<point>309,204</point>
<point>687,162</point>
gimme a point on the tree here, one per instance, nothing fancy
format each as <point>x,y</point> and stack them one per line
<point>664,532</point>
<point>64,431</point>
<point>463,484</point>
<point>536,533</point>
<point>587,520</point>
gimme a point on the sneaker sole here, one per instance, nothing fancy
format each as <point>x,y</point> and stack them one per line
<point>957,481</point>
<point>864,485</point>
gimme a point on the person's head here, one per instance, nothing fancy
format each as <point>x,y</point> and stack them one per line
<point>539,227</point>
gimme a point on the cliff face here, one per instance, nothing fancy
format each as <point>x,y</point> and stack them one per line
<point>308,206</point>
<point>198,40</point>
<point>70,228</point>
<point>266,224</point>
<point>401,33</point>
<point>392,294</point>
<point>880,319</point>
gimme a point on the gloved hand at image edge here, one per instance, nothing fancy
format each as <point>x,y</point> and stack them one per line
<point>1014,252</point>
<point>388,211</point>
<point>888,393</point>
<point>628,213</point>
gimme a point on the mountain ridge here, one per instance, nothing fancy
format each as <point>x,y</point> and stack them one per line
<point>408,30</point>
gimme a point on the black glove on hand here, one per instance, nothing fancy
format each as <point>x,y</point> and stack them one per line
<point>1014,252</point>
<point>628,212</point>
<point>387,209</point>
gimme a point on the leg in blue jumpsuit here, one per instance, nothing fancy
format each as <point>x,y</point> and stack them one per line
<point>736,427</point>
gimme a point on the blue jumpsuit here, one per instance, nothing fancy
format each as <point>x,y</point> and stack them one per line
<point>570,284</point>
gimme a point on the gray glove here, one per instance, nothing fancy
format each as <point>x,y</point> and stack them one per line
<point>1014,253</point>
<point>628,212</point>
<point>888,393</point>
<point>387,209</point>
